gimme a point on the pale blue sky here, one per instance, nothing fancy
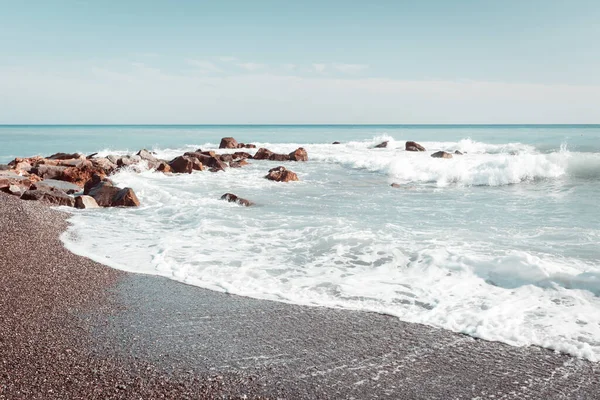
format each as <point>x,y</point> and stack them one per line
<point>299,62</point>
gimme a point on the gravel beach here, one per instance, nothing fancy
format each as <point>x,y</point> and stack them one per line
<point>71,328</point>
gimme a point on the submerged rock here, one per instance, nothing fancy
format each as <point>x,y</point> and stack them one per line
<point>396,185</point>
<point>281,174</point>
<point>232,198</point>
<point>414,146</point>
<point>85,202</point>
<point>336,143</point>
<point>241,154</point>
<point>382,145</point>
<point>228,143</point>
<point>279,157</point>
<point>458,153</point>
<point>238,164</point>
<point>441,154</point>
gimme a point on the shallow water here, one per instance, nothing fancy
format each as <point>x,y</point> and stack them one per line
<point>500,243</point>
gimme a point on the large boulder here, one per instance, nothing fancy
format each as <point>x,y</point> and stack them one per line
<point>279,157</point>
<point>103,193</point>
<point>49,196</point>
<point>125,198</point>
<point>84,202</point>
<point>49,184</point>
<point>232,198</point>
<point>298,155</point>
<point>211,162</point>
<point>441,154</point>
<point>95,181</point>
<point>146,155</point>
<point>126,161</point>
<point>382,145</point>
<point>241,154</point>
<point>79,176</point>
<point>228,143</point>
<point>281,174</point>
<point>49,171</point>
<point>4,167</point>
<point>263,154</point>
<point>226,157</point>
<point>104,165</point>
<point>183,164</point>
<point>414,146</point>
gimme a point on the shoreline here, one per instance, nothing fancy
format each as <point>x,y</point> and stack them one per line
<point>78,329</point>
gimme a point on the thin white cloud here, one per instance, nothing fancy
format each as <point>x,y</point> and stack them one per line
<point>350,68</point>
<point>205,66</point>
<point>227,59</point>
<point>320,68</point>
<point>251,66</point>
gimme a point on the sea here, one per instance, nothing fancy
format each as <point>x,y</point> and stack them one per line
<point>501,243</point>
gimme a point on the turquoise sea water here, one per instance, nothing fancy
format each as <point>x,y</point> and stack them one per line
<point>501,243</point>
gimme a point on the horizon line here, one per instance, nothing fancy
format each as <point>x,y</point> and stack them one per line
<point>312,124</point>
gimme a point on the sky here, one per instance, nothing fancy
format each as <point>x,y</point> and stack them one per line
<point>302,62</point>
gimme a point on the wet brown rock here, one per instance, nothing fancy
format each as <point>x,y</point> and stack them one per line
<point>79,176</point>
<point>208,160</point>
<point>336,143</point>
<point>84,202</point>
<point>241,154</point>
<point>298,155</point>
<point>163,166</point>
<point>441,154</point>
<point>54,197</point>
<point>263,154</point>
<point>14,184</point>
<point>414,146</point>
<point>228,143</point>
<point>226,157</point>
<point>182,165</point>
<point>49,171</point>
<point>95,180</point>
<point>128,160</point>
<point>50,184</point>
<point>279,157</point>
<point>104,165</point>
<point>104,192</point>
<point>232,198</point>
<point>4,167</point>
<point>250,146</point>
<point>382,145</point>
<point>125,198</point>
<point>458,153</point>
<point>281,174</point>
<point>146,155</point>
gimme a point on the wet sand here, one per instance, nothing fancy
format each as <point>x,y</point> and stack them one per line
<point>72,328</point>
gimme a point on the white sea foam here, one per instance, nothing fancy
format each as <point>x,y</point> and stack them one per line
<point>495,263</point>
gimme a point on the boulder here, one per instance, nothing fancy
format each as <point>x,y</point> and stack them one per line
<point>382,145</point>
<point>336,143</point>
<point>65,156</point>
<point>103,193</point>
<point>458,153</point>
<point>228,143</point>
<point>95,180</point>
<point>232,198</point>
<point>226,157</point>
<point>210,153</point>
<point>14,184</point>
<point>241,154</point>
<point>4,167</point>
<point>279,157</point>
<point>49,184</point>
<point>13,189</point>
<point>128,160</point>
<point>50,196</point>
<point>238,163</point>
<point>414,146</point>
<point>84,202</point>
<point>125,198</point>
<point>49,171</point>
<point>104,165</point>
<point>163,166</point>
<point>441,154</point>
<point>210,161</point>
<point>281,174</point>
<point>91,156</point>
<point>263,154</point>
<point>79,176</point>
<point>298,155</point>
<point>112,158</point>
<point>22,166</point>
<point>182,165</point>
<point>146,155</point>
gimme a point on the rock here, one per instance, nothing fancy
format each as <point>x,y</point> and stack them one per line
<point>232,198</point>
<point>94,181</point>
<point>103,193</point>
<point>250,146</point>
<point>146,155</point>
<point>182,165</point>
<point>65,156</point>
<point>281,174</point>
<point>382,145</point>
<point>112,158</point>
<point>336,143</point>
<point>49,184</point>
<point>226,157</point>
<point>241,154</point>
<point>228,143</point>
<point>13,189</point>
<point>263,154</point>
<point>50,196</point>
<point>441,154</point>
<point>79,176</point>
<point>238,164</point>
<point>458,153</point>
<point>208,160</point>
<point>395,185</point>
<point>84,202</point>
<point>4,167</point>
<point>125,198</point>
<point>91,156</point>
<point>210,153</point>
<point>14,184</point>
<point>414,146</point>
<point>49,171</point>
<point>104,165</point>
<point>279,157</point>
<point>163,166</point>
<point>128,160</point>
<point>298,155</point>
